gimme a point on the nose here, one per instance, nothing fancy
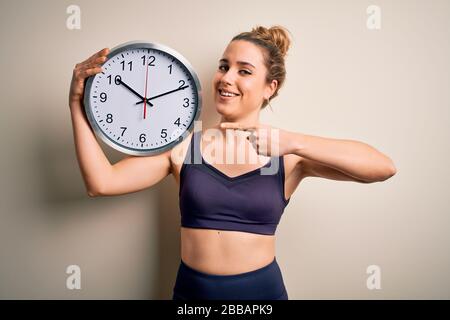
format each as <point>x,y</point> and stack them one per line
<point>227,77</point>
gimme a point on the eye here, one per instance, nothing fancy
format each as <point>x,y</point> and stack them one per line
<point>224,66</point>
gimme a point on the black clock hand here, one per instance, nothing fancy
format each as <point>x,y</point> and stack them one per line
<point>162,94</point>
<point>131,89</point>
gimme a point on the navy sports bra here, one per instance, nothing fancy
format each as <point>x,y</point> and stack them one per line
<point>209,199</point>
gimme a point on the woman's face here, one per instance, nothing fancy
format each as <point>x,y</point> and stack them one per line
<point>241,71</point>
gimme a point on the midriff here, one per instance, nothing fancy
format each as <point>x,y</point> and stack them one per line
<point>223,252</point>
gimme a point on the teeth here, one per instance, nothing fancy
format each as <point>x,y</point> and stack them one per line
<point>227,94</point>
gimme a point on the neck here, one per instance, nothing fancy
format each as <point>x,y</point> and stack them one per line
<point>251,119</point>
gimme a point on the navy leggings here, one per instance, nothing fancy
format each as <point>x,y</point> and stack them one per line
<point>265,283</point>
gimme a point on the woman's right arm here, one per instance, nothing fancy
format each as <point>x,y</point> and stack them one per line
<point>100,177</point>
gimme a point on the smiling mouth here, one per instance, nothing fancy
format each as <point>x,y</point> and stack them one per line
<point>226,94</point>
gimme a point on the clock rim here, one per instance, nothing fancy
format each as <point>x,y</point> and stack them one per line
<point>146,45</point>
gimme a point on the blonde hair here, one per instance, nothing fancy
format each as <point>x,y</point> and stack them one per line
<point>275,42</point>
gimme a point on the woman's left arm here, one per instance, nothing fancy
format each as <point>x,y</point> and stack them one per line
<point>329,158</point>
<point>352,158</point>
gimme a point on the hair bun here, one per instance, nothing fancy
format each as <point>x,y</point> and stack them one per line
<point>277,35</point>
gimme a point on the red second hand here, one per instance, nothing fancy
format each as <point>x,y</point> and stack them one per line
<point>145,94</point>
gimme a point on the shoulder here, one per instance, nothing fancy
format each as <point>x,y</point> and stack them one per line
<point>178,153</point>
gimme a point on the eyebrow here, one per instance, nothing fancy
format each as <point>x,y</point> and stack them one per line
<point>239,62</point>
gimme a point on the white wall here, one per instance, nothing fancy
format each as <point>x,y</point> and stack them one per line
<point>387,87</point>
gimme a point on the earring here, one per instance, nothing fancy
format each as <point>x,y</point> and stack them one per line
<point>268,102</point>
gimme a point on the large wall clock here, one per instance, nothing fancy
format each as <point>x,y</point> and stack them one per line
<point>146,99</point>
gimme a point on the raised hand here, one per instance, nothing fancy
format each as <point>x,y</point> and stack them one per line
<point>83,70</point>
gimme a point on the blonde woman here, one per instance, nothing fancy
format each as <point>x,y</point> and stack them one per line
<point>229,211</point>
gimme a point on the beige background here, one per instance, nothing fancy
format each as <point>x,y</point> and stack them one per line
<point>388,88</point>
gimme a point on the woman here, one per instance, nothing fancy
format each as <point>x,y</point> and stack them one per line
<point>229,211</point>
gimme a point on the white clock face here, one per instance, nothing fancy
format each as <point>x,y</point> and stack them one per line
<point>145,100</point>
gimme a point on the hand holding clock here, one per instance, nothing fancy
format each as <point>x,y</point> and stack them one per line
<point>90,67</point>
<point>83,70</point>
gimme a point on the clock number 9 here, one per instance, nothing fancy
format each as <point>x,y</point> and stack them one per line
<point>103,97</point>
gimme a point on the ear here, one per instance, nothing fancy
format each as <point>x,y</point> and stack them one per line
<point>270,89</point>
